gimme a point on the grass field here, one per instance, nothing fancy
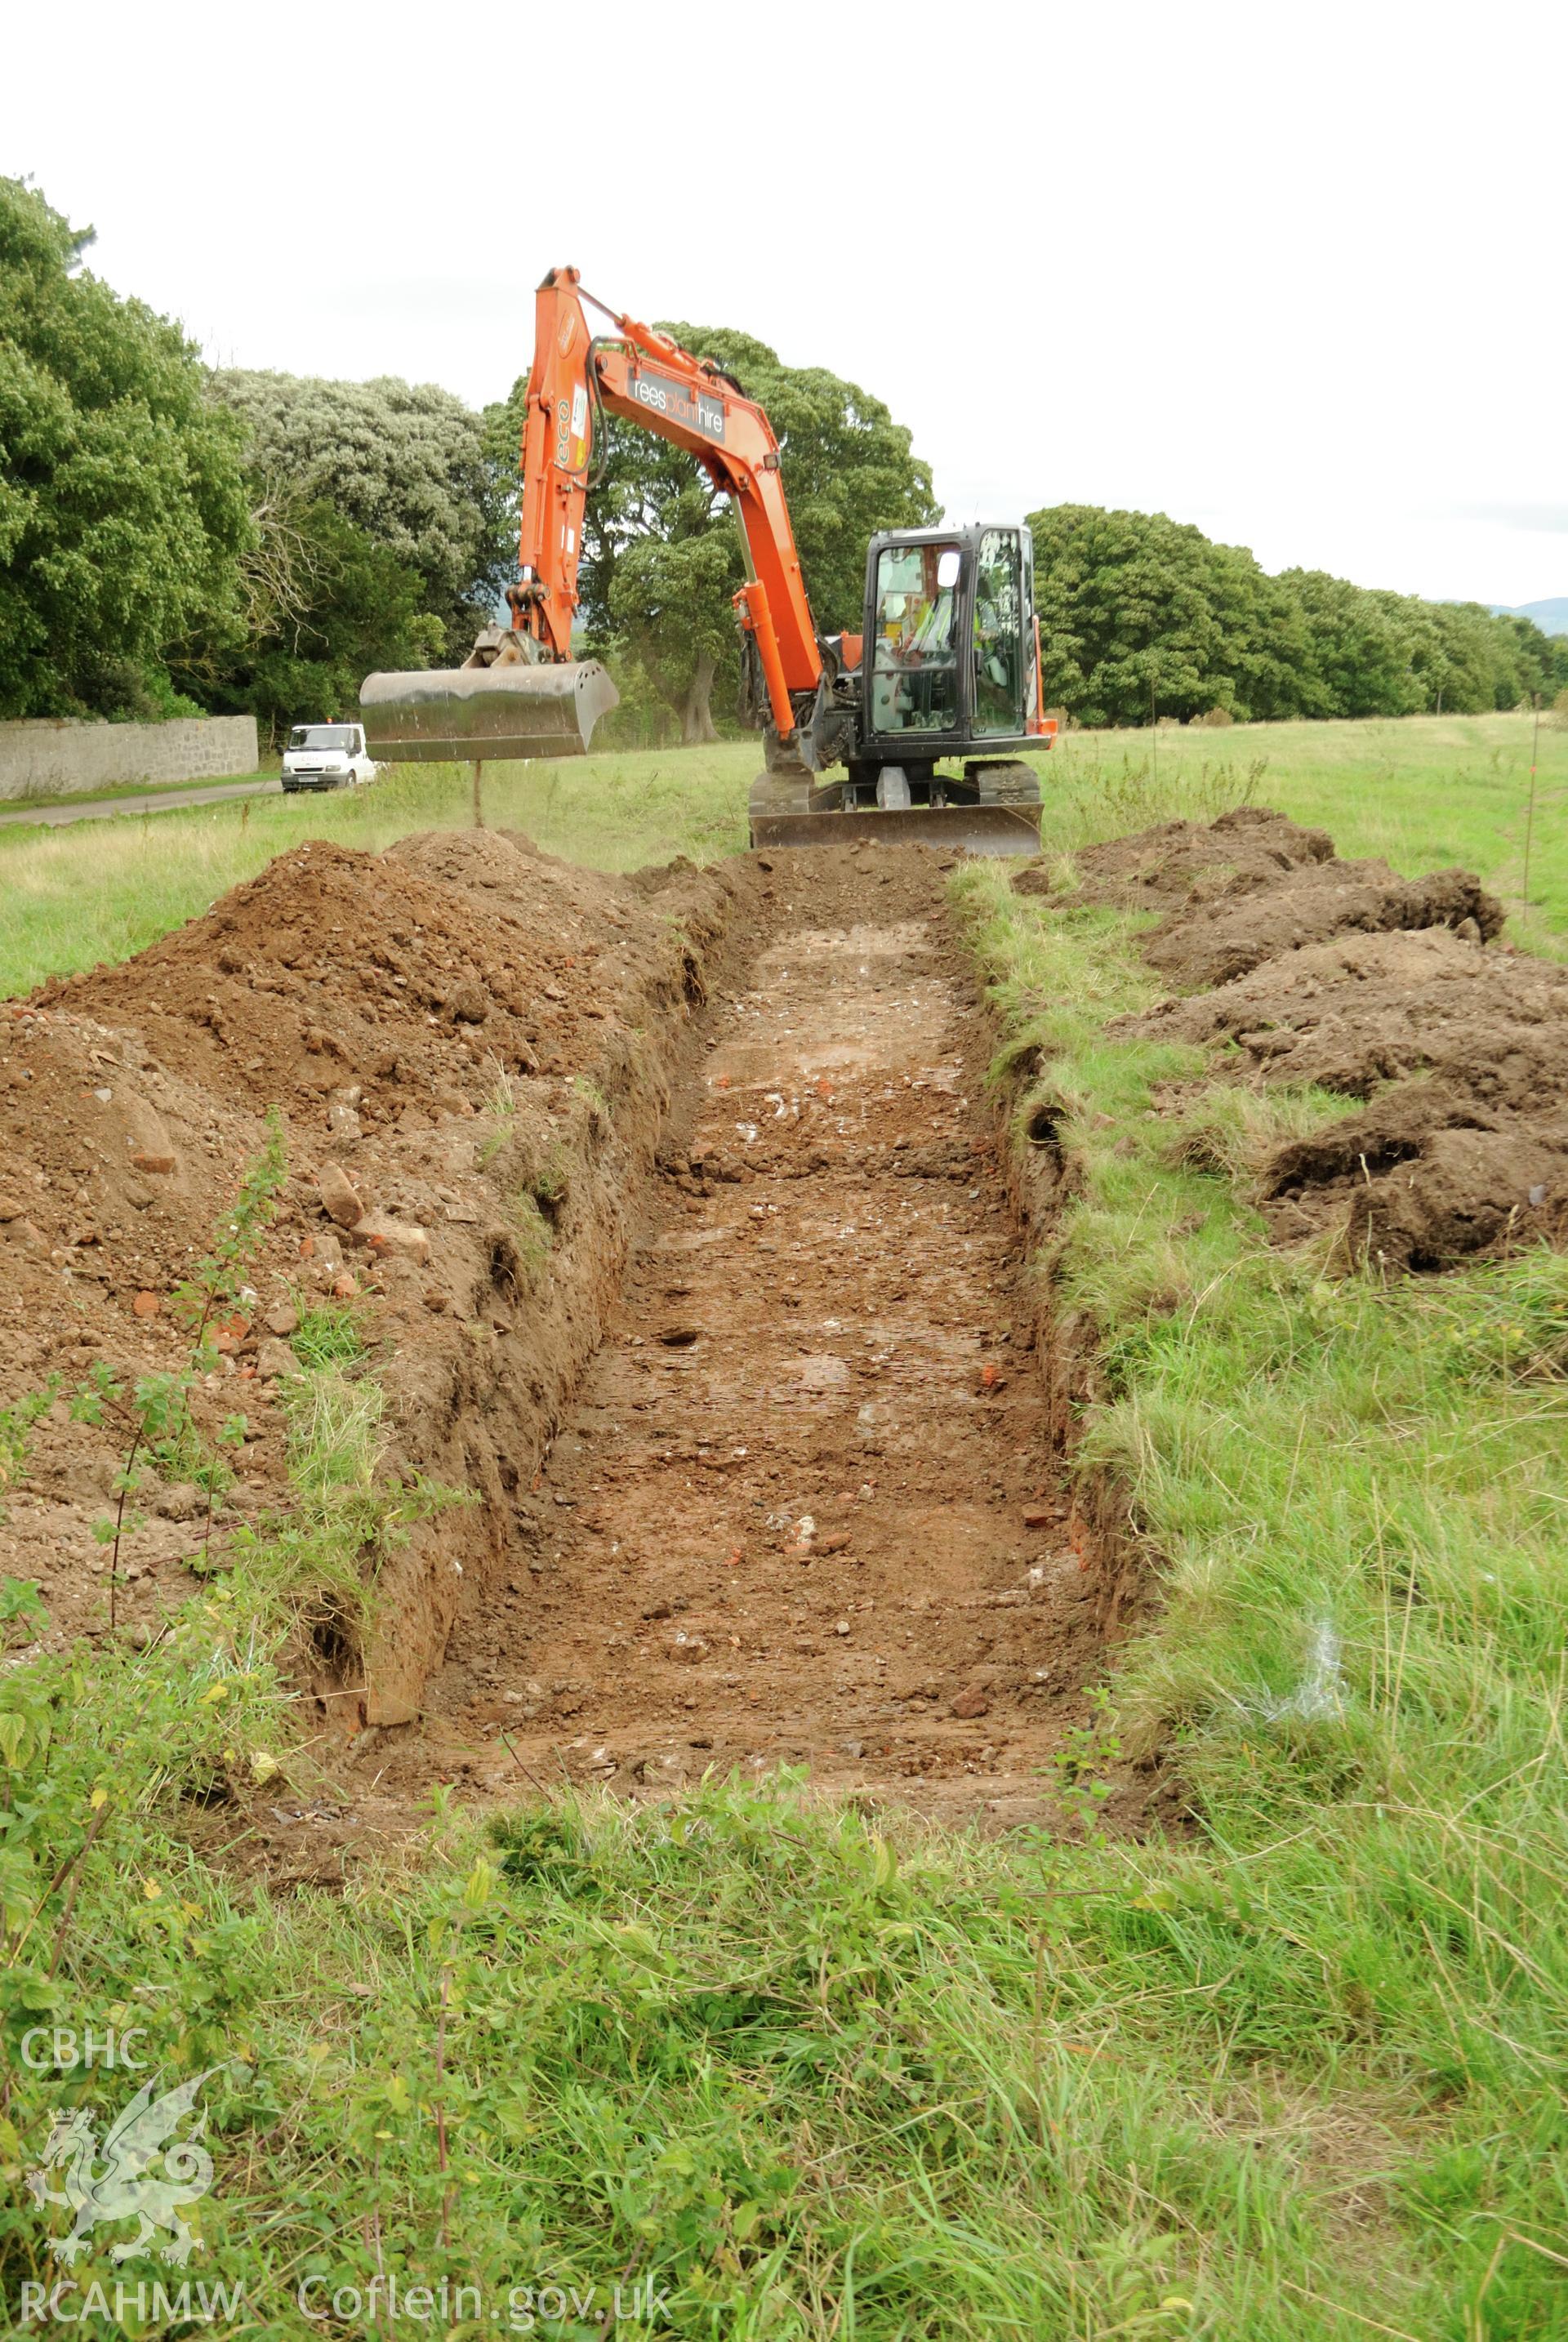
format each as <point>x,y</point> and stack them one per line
<point>1301,2076</point>
<point>1424,793</point>
<point>820,2076</point>
<point>1356,1499</point>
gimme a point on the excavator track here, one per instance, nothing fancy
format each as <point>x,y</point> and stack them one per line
<point>1001,817</point>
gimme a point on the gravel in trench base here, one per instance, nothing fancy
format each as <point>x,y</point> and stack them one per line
<point>804,1510</point>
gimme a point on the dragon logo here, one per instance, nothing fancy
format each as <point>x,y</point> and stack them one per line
<point>128,2185</point>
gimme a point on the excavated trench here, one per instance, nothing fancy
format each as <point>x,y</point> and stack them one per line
<point>682,1257</point>
<point>682,1254</point>
<point>802,1509</point>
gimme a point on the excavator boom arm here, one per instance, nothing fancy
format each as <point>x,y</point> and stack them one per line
<point>889,706</point>
<point>641,375</point>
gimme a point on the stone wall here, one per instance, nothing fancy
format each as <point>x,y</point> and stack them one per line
<point>58,757</point>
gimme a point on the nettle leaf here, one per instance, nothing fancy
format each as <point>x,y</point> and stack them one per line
<point>20,1599</point>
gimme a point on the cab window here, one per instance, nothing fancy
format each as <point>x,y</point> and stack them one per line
<point>914,662</point>
<point>999,676</point>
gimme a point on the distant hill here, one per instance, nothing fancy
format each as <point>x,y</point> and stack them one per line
<point>1552,617</point>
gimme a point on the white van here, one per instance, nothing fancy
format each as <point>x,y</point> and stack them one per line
<point>327,756</point>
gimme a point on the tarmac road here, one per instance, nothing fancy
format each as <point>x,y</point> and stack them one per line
<point>54,815</point>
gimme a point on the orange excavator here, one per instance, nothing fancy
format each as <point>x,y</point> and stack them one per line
<point>914,727</point>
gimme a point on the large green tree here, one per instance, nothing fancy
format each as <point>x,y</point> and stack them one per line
<point>407,464</point>
<point>324,605</point>
<point>123,502</point>
<point>1358,657</point>
<point>1467,660</point>
<point>1141,614</point>
<point>661,550</point>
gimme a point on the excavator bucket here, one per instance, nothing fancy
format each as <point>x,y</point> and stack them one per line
<point>485,714</point>
<point>997,819</point>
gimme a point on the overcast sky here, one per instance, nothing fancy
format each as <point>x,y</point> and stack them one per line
<point>1292,271</point>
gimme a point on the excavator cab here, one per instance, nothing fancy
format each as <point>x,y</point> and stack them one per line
<point>928,710</point>
<point>948,651</point>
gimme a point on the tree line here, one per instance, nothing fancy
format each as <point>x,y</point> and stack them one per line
<point>178,540</point>
<point>1141,615</point>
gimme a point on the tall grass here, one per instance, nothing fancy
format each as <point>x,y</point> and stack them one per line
<point>1355,1497</point>
<point>1423,793</point>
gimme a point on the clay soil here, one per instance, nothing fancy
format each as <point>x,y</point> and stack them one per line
<point>444,1026</point>
<point>1296,968</point>
<point>803,1511</point>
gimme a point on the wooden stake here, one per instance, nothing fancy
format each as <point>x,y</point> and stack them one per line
<point>1530,809</point>
<point>477,769</point>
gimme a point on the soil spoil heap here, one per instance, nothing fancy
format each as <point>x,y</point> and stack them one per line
<point>467,1045</point>
<point>1299,969</point>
